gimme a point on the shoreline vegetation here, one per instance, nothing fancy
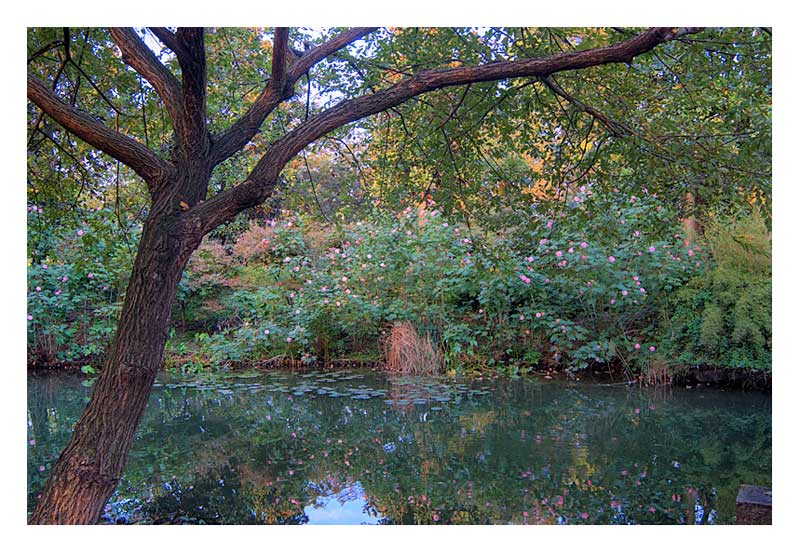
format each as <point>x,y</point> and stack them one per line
<point>641,303</point>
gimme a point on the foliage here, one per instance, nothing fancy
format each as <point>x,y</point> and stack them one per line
<point>76,280</point>
<point>723,317</point>
<point>545,291</point>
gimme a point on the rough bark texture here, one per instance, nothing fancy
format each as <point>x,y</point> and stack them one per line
<point>88,470</point>
<point>90,467</point>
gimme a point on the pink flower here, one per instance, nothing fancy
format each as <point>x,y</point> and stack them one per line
<point>41,468</point>
<point>613,301</point>
<point>636,411</point>
<point>652,348</point>
<point>584,516</point>
<point>90,276</point>
<point>624,292</point>
<point>58,292</point>
<point>571,250</point>
<point>584,245</point>
<point>522,317</point>
<point>38,288</point>
<point>538,315</point>
<point>289,339</point>
<point>637,346</point>
<point>611,258</point>
<point>30,317</point>
<point>652,249</point>
<point>559,254</point>
<point>80,232</point>
<point>435,518</point>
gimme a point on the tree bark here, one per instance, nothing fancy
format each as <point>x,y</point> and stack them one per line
<point>88,470</point>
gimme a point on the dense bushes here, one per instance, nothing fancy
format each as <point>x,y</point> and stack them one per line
<point>590,284</point>
<point>607,278</point>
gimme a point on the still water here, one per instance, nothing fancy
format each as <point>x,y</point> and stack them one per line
<point>350,447</point>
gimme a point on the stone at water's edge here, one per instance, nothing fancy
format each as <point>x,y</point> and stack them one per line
<point>754,505</point>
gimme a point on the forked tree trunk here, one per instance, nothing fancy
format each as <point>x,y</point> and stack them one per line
<point>88,470</point>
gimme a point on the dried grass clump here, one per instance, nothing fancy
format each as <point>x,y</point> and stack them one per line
<point>405,351</point>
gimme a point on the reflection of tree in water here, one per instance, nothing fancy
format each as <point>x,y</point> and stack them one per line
<point>219,496</point>
<point>525,453</point>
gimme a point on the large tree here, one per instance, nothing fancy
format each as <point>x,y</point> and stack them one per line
<point>184,206</point>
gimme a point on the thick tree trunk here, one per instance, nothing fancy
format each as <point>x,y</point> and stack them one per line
<point>88,470</point>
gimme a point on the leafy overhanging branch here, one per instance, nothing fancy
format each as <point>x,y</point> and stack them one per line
<point>127,150</point>
<point>261,181</point>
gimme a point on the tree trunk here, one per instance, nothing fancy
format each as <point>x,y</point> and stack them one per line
<point>88,470</point>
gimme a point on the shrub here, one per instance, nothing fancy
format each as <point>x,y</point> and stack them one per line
<point>723,317</point>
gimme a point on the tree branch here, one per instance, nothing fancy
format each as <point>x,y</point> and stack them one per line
<point>246,127</point>
<point>319,53</point>
<point>123,148</point>
<point>166,37</point>
<point>193,136</point>
<point>617,129</point>
<point>136,54</point>
<point>279,48</point>
<point>261,181</point>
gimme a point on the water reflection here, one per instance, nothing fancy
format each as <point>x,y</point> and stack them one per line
<point>357,448</point>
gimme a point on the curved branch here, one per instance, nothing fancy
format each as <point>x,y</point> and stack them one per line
<point>246,127</point>
<point>261,181</point>
<point>319,53</point>
<point>123,148</point>
<point>136,54</point>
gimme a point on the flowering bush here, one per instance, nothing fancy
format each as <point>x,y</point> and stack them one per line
<point>76,278</point>
<point>544,291</point>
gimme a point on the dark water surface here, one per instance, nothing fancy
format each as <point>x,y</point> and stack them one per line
<point>359,448</point>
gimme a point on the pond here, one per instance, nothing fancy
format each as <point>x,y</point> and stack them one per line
<point>351,447</point>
